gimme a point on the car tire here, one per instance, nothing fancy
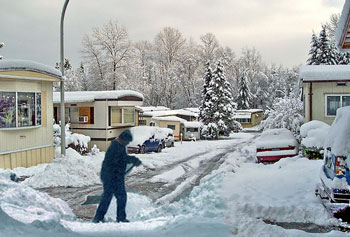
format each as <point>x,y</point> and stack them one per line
<point>142,150</point>
<point>159,149</point>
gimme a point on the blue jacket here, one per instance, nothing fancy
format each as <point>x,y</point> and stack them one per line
<point>115,162</point>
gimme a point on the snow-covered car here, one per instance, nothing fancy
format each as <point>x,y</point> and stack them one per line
<point>146,139</point>
<point>275,144</point>
<point>335,173</point>
<point>168,134</point>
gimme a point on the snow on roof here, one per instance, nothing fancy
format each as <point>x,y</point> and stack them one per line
<point>342,25</point>
<point>90,96</point>
<point>276,138</point>
<point>324,72</point>
<point>169,118</point>
<point>338,138</point>
<point>250,111</point>
<point>194,110</point>
<point>153,108</point>
<point>192,124</point>
<point>15,65</point>
<point>170,113</point>
<point>242,115</point>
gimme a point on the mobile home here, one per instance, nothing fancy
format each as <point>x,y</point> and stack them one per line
<point>102,115</point>
<point>26,113</point>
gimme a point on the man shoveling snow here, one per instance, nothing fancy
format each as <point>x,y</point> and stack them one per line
<point>113,173</point>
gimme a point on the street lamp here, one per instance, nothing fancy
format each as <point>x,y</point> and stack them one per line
<point>63,122</point>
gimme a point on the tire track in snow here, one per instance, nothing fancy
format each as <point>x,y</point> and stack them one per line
<point>185,184</point>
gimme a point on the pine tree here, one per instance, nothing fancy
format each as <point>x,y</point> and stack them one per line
<point>343,58</point>
<point>205,107</point>
<point>327,52</point>
<point>244,95</point>
<point>221,105</point>
<point>313,53</point>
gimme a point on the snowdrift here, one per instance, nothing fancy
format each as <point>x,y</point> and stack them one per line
<point>24,210</point>
<point>72,170</point>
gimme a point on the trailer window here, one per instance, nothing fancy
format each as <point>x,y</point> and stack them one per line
<point>20,109</point>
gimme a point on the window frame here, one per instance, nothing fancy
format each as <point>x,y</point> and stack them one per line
<point>35,110</point>
<point>326,103</point>
<point>122,116</point>
<point>171,126</point>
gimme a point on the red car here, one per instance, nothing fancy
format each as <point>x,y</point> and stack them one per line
<point>275,144</point>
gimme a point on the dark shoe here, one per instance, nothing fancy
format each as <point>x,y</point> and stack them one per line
<point>98,221</point>
<point>123,221</point>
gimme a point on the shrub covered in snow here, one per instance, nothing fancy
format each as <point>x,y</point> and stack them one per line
<point>78,142</point>
<point>313,134</point>
<point>285,113</point>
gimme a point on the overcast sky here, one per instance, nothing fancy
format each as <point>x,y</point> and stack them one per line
<point>280,29</point>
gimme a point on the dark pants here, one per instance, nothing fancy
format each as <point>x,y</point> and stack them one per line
<point>116,188</point>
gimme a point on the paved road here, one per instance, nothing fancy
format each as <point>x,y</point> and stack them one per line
<point>140,182</point>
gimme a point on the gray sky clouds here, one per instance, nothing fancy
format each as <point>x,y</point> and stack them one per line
<point>279,29</point>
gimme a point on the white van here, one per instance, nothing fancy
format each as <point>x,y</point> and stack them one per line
<point>190,131</point>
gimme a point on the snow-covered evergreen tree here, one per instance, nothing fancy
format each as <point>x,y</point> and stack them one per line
<point>327,54</point>
<point>244,94</point>
<point>314,51</point>
<point>220,105</point>
<point>205,107</point>
<point>344,58</point>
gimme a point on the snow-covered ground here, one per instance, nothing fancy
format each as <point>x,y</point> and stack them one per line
<point>232,200</point>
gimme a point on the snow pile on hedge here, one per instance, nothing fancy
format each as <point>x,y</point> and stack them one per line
<point>313,133</point>
<point>27,205</point>
<point>72,170</point>
<point>79,141</point>
<point>338,138</point>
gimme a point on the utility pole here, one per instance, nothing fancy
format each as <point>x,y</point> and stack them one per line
<point>63,122</point>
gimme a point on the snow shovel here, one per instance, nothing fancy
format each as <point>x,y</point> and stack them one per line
<point>95,199</point>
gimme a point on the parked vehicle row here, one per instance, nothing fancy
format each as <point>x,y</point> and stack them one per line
<point>150,139</point>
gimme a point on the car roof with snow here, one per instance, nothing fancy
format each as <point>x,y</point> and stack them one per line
<point>142,133</point>
<point>338,138</point>
<point>276,138</point>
